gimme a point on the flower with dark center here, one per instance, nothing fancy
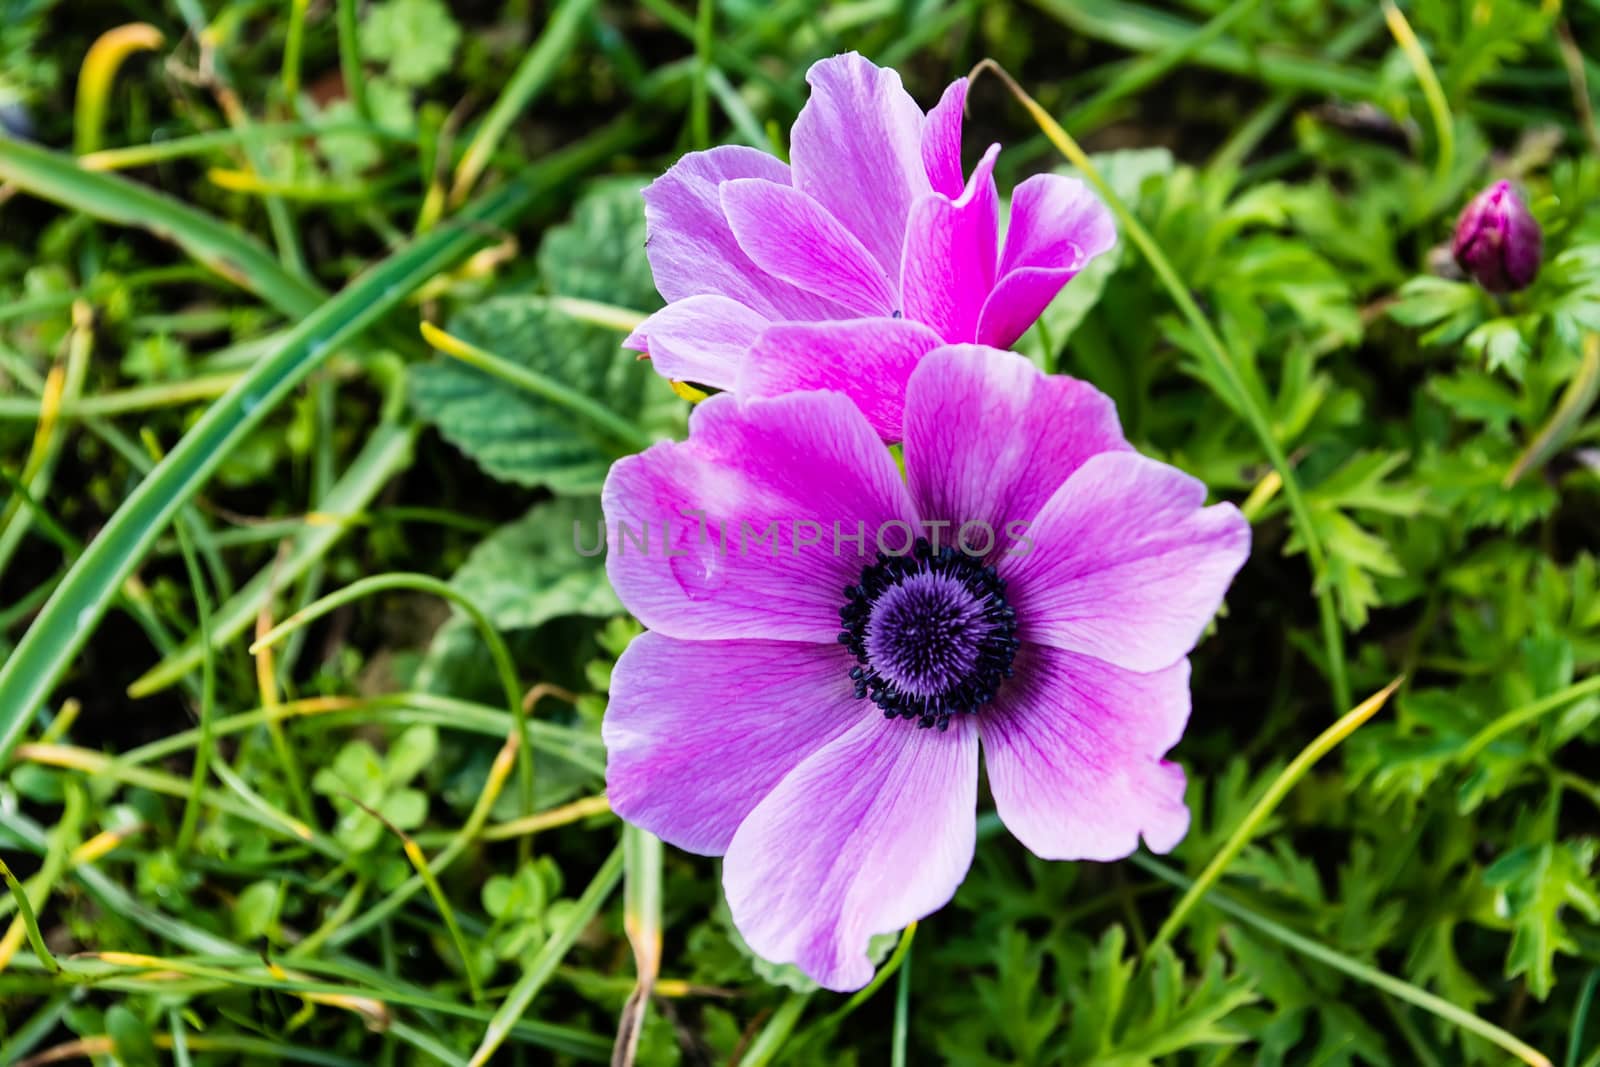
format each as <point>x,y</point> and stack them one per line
<point>830,644</point>
<point>869,248</point>
<point>931,632</point>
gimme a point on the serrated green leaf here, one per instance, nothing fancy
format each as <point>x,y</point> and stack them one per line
<point>416,38</point>
<point>537,569</point>
<point>526,439</point>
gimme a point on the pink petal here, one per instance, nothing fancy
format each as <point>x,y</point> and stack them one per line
<point>989,438</point>
<point>1057,226</point>
<point>693,252</point>
<point>856,150</point>
<point>697,733</point>
<point>950,255</point>
<point>792,237</point>
<point>1126,564</point>
<point>732,533</point>
<point>1073,747</point>
<point>868,360</point>
<point>868,834</point>
<point>941,140</point>
<point>698,339</point>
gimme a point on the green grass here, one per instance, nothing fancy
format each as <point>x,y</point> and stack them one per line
<point>299,709</point>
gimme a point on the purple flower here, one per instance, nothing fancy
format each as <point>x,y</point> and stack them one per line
<point>843,268</point>
<point>1497,241</point>
<point>770,714</point>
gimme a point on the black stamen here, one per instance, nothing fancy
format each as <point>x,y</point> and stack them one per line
<point>986,629</point>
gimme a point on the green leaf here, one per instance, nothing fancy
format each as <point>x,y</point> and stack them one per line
<point>1536,883</point>
<point>417,38</point>
<point>536,569</point>
<point>410,754</point>
<point>526,439</point>
<point>599,253</point>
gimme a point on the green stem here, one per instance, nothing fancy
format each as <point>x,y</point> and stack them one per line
<point>69,618</point>
<point>1328,957</point>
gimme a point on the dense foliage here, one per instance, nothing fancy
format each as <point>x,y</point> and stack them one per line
<point>328,848</point>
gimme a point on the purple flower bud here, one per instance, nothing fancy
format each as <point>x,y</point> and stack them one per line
<point>1497,240</point>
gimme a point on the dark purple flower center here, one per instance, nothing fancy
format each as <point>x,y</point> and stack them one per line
<point>931,632</point>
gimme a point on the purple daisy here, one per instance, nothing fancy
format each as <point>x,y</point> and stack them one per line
<point>800,631</point>
<point>868,250</point>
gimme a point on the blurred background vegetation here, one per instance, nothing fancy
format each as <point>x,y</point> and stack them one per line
<point>380,836</point>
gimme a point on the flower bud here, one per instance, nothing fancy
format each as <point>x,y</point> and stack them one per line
<point>1497,241</point>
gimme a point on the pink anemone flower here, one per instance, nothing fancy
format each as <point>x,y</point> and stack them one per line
<point>1031,585</point>
<point>841,269</point>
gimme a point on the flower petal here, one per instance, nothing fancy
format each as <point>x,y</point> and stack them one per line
<point>941,140</point>
<point>693,252</point>
<point>1073,747</point>
<point>732,533</point>
<point>792,237</point>
<point>698,339</point>
<point>951,246</point>
<point>698,733</point>
<point>856,150</point>
<point>989,438</point>
<point>1057,226</point>
<point>868,834</point>
<point>1126,564</point>
<point>868,360</point>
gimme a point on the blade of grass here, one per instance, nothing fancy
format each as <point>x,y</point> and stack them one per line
<point>1576,400</point>
<point>545,388</point>
<point>1361,972</point>
<point>543,965</point>
<point>1324,743</point>
<point>69,617</point>
<point>1222,366</point>
<point>641,919</point>
<point>431,586</point>
<point>387,452</point>
<point>112,198</point>
<point>355,78</point>
<point>100,65</point>
<point>555,44</point>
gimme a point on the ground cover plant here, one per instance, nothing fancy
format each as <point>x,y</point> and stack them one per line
<point>312,367</point>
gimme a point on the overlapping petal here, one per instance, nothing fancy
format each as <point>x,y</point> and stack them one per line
<point>869,360</point>
<point>1127,565</point>
<point>949,264</point>
<point>941,140</point>
<point>989,438</point>
<point>792,237</point>
<point>692,249</point>
<point>698,733</point>
<point>1073,749</point>
<point>699,339</point>
<point>1057,226</point>
<point>869,833</point>
<point>731,534</point>
<point>856,150</point>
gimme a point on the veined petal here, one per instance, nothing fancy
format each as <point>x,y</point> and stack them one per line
<point>869,833</point>
<point>698,733</point>
<point>989,438</point>
<point>692,250</point>
<point>856,150</point>
<point>792,237</point>
<point>951,247</point>
<point>941,140</point>
<point>1057,226</point>
<point>698,339</point>
<point>1126,565</point>
<point>869,360</point>
<point>1073,747</point>
<point>731,534</point>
